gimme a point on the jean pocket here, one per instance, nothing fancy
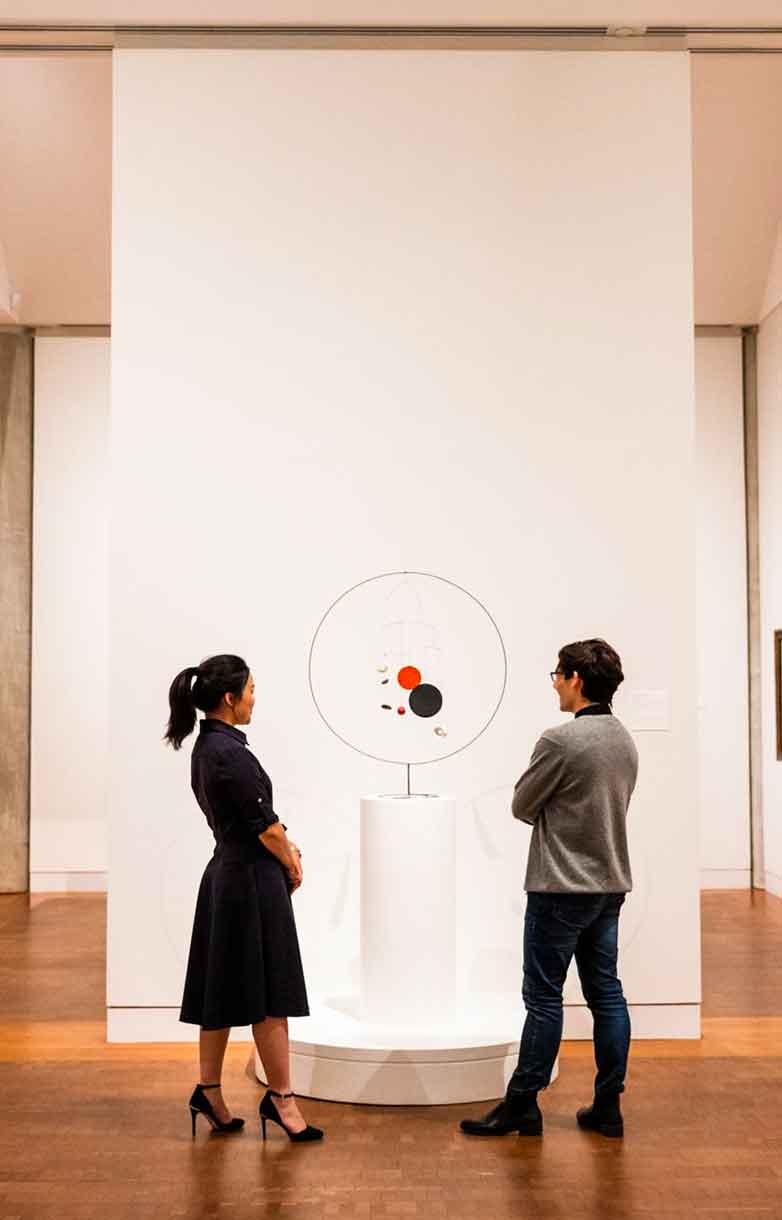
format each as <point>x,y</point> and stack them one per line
<point>576,911</point>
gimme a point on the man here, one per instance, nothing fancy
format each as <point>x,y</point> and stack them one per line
<point>575,795</point>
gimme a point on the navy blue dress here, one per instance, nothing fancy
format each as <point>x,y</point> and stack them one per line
<point>244,962</point>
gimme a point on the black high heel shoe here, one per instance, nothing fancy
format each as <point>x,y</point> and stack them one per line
<point>268,1111</point>
<point>199,1104</point>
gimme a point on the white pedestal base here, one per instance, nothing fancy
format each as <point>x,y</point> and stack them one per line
<point>336,1056</point>
<point>405,1038</point>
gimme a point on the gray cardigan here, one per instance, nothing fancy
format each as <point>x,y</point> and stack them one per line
<point>575,795</point>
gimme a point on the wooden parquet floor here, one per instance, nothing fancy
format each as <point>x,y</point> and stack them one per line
<point>92,1132</point>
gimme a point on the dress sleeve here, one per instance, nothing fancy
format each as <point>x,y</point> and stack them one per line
<point>243,787</point>
<point>539,782</point>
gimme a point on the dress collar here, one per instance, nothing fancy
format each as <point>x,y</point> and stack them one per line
<point>210,725</point>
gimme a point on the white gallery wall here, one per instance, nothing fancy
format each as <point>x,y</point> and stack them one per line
<point>70,682</point>
<point>721,615</point>
<point>72,421</point>
<point>770,497</point>
<point>376,311</point>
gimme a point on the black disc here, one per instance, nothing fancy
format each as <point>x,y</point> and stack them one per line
<point>425,700</point>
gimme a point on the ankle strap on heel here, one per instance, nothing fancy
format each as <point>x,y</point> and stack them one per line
<point>219,1085</point>
<point>284,1096</point>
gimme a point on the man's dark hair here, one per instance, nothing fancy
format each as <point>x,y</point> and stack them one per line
<point>597,664</point>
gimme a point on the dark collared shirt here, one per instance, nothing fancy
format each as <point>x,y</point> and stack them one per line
<point>231,786</point>
<point>594,709</point>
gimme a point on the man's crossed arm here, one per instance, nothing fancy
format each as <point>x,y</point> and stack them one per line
<point>539,782</point>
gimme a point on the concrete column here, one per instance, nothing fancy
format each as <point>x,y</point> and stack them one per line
<point>16,497</point>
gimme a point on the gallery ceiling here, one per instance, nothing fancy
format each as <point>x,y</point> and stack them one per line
<point>413,12</point>
<point>55,175</point>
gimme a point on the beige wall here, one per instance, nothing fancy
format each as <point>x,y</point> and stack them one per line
<point>55,164</point>
<point>16,418</point>
<point>773,294</point>
<point>721,615</point>
<point>70,615</point>
<point>55,186</point>
<point>6,291</point>
<point>737,182</point>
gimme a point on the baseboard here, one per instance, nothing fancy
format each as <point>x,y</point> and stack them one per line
<point>54,881</point>
<point>725,879</point>
<point>649,1021</point>
<point>739,879</point>
<point>773,884</point>
<point>163,1024</point>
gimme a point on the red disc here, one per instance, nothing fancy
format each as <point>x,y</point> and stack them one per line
<point>401,711</point>
<point>409,677</point>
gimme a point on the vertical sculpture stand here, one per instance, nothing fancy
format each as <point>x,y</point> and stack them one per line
<point>408,900</point>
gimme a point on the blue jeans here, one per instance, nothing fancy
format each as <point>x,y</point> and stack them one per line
<point>556,927</point>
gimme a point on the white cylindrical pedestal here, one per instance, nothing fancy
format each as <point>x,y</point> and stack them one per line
<point>406,1037</point>
<point>408,902</point>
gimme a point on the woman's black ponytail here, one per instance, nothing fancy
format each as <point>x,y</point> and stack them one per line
<point>214,678</point>
<point>183,709</point>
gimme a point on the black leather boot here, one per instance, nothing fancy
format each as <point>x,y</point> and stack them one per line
<point>604,1116</point>
<point>517,1112</point>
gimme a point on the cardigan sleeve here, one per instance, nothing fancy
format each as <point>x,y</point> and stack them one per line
<point>539,782</point>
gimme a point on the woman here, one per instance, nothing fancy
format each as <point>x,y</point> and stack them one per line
<point>244,966</point>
